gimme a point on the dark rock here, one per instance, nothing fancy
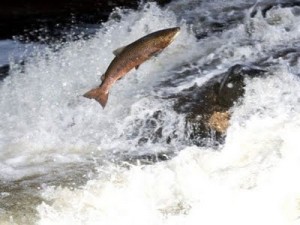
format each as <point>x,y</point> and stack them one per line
<point>207,107</point>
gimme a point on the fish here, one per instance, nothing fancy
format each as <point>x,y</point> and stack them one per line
<point>129,57</point>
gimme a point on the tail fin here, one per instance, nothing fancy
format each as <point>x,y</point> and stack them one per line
<point>98,94</point>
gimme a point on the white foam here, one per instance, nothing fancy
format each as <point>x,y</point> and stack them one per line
<point>45,114</point>
<point>252,180</point>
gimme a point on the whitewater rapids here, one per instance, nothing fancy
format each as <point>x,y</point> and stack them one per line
<point>61,154</point>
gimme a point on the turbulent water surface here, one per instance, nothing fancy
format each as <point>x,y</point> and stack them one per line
<point>65,160</point>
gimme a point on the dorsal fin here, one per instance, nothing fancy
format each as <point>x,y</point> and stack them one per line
<point>118,50</point>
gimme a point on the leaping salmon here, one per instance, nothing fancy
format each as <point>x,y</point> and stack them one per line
<point>129,57</point>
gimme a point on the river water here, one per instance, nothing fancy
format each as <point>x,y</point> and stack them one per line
<point>65,160</point>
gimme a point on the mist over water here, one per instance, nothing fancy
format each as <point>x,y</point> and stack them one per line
<point>65,160</point>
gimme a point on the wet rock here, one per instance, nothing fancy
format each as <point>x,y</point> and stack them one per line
<point>210,19</point>
<point>207,108</point>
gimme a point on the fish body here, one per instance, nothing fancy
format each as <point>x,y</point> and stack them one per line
<point>129,57</point>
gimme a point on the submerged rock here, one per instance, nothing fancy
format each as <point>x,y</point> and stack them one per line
<point>206,110</point>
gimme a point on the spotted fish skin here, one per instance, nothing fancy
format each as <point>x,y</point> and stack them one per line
<point>129,57</point>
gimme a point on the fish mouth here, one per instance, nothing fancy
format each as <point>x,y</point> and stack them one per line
<point>177,31</point>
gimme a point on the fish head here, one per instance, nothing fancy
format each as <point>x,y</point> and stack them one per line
<point>171,34</point>
<point>165,37</point>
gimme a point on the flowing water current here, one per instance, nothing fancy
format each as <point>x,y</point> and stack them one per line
<point>65,160</point>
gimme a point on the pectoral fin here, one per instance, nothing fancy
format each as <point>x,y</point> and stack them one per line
<point>103,77</point>
<point>118,50</point>
<point>155,54</point>
<point>136,67</point>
